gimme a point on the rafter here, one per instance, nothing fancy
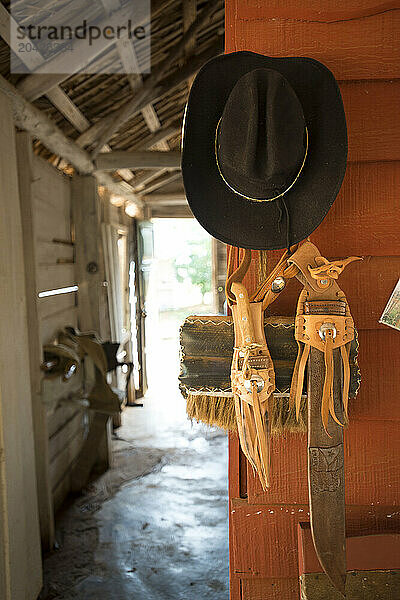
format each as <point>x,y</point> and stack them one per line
<point>56,95</point>
<point>189,8</point>
<point>173,199</point>
<point>31,119</point>
<point>162,88</point>
<point>161,181</point>
<point>128,57</point>
<point>140,181</point>
<point>112,161</point>
<point>161,135</point>
<point>132,106</point>
<point>42,79</point>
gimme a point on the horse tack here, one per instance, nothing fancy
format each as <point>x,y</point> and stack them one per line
<point>252,370</point>
<point>253,381</point>
<point>324,330</point>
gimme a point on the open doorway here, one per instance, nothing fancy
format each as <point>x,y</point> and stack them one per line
<point>180,284</point>
<point>177,279</point>
<point>175,515</point>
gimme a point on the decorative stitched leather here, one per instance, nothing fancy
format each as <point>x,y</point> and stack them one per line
<point>253,381</point>
<point>323,321</point>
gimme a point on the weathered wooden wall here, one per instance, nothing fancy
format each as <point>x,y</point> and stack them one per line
<point>20,557</point>
<point>56,239</point>
<point>358,41</point>
<point>55,268</point>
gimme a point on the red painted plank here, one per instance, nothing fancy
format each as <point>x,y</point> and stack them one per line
<point>313,10</point>
<point>373,134</point>
<point>363,553</point>
<point>358,46</point>
<point>372,474</point>
<point>379,360</point>
<point>365,217</point>
<point>271,550</point>
<point>235,588</point>
<point>234,473</point>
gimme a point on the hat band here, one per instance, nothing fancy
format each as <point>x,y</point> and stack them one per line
<point>249,197</point>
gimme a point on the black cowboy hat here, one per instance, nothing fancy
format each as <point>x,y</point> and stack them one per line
<point>264,148</point>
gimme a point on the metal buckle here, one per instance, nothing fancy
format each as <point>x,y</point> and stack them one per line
<point>259,382</point>
<point>327,327</point>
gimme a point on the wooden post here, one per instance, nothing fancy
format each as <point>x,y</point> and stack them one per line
<point>20,556</point>
<point>92,295</point>
<point>218,254</point>
<point>41,437</point>
<point>90,271</point>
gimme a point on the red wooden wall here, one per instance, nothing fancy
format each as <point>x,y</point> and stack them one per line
<point>358,41</point>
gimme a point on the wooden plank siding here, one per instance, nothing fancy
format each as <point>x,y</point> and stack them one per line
<point>20,552</point>
<point>45,501</point>
<point>358,41</point>
<point>52,220</point>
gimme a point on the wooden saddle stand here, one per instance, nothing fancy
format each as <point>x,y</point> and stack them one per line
<point>324,332</point>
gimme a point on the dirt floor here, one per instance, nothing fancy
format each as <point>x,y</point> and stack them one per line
<point>155,527</point>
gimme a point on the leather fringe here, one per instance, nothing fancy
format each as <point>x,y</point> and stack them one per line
<point>327,403</point>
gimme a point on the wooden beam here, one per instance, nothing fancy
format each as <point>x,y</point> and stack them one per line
<point>93,309</point>
<point>65,64</point>
<point>189,8</point>
<point>170,212</point>
<point>71,112</point>
<point>92,295</point>
<point>130,63</point>
<point>68,109</point>
<point>124,113</point>
<point>159,136</point>
<point>163,180</point>
<point>39,416</point>
<point>167,84</point>
<point>165,200</point>
<point>138,160</point>
<point>142,180</point>
<point>31,119</point>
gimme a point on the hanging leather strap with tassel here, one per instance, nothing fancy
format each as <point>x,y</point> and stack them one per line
<point>323,321</point>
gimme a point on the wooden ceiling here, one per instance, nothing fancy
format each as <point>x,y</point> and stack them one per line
<point>125,115</point>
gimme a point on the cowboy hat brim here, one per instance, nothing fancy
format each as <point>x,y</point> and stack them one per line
<point>228,216</point>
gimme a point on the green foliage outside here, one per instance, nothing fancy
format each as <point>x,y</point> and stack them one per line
<point>197,265</point>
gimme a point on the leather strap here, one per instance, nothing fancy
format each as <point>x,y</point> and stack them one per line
<point>323,321</point>
<point>252,371</point>
<point>253,381</point>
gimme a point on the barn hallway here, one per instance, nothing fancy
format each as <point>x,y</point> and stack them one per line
<point>155,526</point>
